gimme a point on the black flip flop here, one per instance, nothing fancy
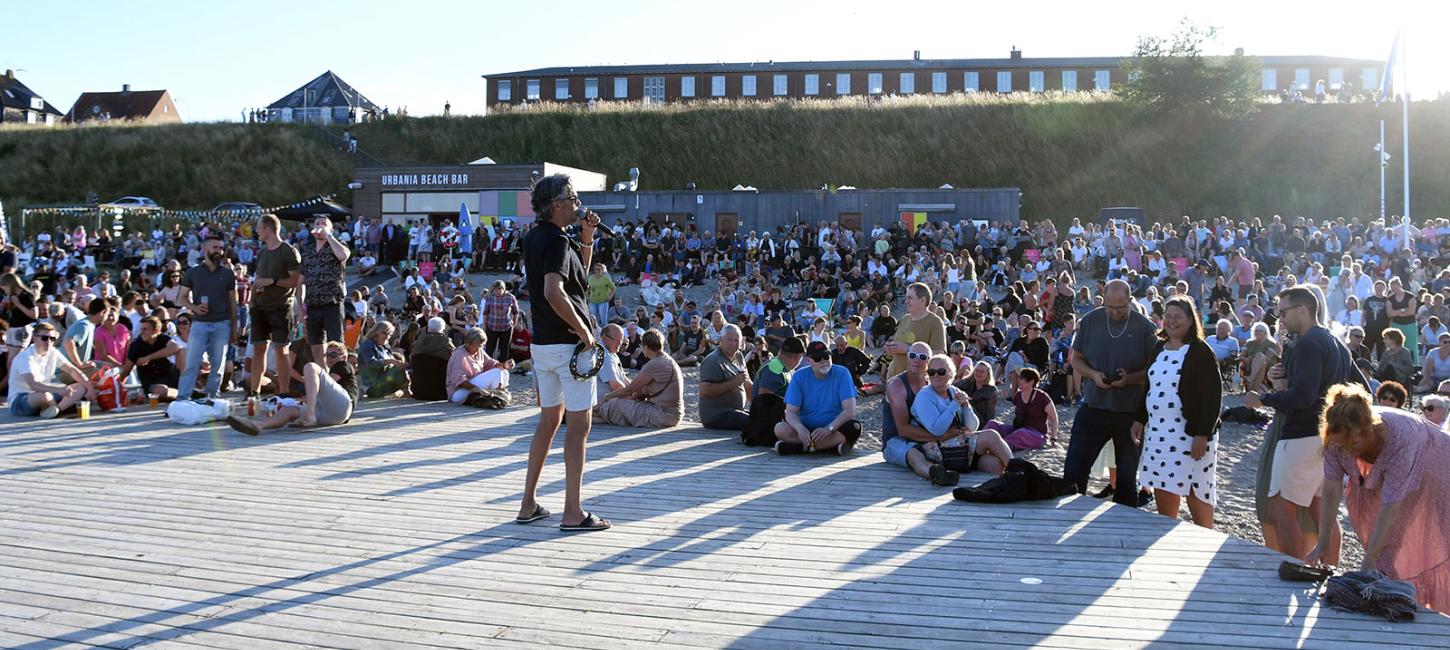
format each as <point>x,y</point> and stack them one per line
<point>243,426</point>
<point>540,512</point>
<point>589,523</point>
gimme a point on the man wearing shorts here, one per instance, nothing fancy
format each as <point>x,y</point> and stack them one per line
<point>277,277</point>
<point>1316,362</point>
<point>901,439</point>
<point>33,388</point>
<point>322,290</point>
<point>555,267</point>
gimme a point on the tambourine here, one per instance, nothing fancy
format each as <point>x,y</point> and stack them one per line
<point>590,369</point>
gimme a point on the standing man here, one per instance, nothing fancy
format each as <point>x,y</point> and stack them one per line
<point>278,274</point>
<point>500,309</point>
<point>322,291</point>
<point>1316,362</point>
<point>1111,351</point>
<point>725,386</point>
<point>209,291</point>
<point>920,324</point>
<point>601,291</point>
<point>554,265</point>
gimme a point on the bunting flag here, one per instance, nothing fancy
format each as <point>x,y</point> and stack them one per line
<point>824,306</point>
<point>465,229</point>
<point>913,220</point>
<point>1392,66</point>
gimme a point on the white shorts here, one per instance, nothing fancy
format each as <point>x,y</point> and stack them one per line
<point>1298,470</point>
<point>554,381</point>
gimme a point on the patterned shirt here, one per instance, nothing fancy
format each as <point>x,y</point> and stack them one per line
<point>498,312</point>
<point>322,273</point>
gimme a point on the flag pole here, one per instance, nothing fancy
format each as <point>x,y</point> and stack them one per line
<point>1380,154</point>
<point>1405,125</point>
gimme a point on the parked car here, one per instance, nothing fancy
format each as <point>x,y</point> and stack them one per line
<point>238,207</point>
<point>133,203</point>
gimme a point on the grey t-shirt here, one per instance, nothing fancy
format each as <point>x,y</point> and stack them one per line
<point>612,370</point>
<point>717,368</point>
<point>1108,346</point>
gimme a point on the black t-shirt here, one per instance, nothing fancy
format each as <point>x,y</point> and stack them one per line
<point>14,315</point>
<point>776,306</point>
<point>158,370</point>
<point>548,250</point>
<point>346,378</point>
<point>1376,313</point>
<point>1035,352</point>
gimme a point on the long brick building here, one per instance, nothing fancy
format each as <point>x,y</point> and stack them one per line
<point>824,79</point>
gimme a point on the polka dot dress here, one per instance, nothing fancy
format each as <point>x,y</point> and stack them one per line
<point>1166,463</point>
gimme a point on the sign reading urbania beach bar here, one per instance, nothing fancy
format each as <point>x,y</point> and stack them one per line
<point>424,180</point>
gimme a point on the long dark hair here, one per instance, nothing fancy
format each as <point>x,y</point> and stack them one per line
<point>1195,325</point>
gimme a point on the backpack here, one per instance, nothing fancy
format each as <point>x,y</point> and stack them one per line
<point>765,411</point>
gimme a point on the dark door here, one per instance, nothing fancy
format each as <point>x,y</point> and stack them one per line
<point>851,221</point>
<point>726,223</point>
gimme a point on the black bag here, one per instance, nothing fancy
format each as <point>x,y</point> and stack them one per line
<point>1245,415</point>
<point>765,411</point>
<point>1022,481</point>
<point>958,458</point>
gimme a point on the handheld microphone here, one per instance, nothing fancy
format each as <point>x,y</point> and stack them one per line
<point>599,227</point>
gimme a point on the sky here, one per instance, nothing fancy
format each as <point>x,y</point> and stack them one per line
<point>220,58</point>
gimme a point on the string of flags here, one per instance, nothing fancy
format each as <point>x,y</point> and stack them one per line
<point>187,215</point>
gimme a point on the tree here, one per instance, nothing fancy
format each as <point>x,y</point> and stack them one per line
<point>1173,75</point>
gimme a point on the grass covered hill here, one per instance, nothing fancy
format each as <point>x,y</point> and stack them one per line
<point>1070,156</point>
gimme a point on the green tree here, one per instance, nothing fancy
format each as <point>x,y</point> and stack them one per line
<point>1172,75</point>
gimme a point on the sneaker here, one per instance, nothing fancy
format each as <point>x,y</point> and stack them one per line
<point>940,475</point>
<point>844,449</point>
<point>786,448</point>
<point>1144,498</point>
<point>49,412</point>
<point>1104,493</point>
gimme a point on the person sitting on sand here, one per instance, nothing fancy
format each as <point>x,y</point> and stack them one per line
<point>1034,422</point>
<point>329,399</point>
<point>820,408</point>
<point>654,398</point>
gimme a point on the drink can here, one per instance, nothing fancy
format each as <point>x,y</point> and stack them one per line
<point>251,407</point>
<point>205,301</point>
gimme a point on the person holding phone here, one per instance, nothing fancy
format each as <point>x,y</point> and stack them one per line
<point>555,266</point>
<point>1111,352</point>
<point>322,291</point>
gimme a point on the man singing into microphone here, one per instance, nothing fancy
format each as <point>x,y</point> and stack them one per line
<point>555,266</point>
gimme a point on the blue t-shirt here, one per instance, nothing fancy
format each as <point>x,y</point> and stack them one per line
<point>819,400</point>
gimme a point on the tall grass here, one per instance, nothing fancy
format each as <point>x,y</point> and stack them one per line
<point>1070,154</point>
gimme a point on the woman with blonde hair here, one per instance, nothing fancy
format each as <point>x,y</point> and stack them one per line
<point>1398,493</point>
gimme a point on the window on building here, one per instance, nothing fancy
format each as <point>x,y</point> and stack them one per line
<point>781,85</point>
<point>532,89</point>
<point>873,83</point>
<point>908,83</point>
<point>591,88</point>
<point>654,89</point>
<point>1369,79</point>
<point>1301,78</point>
<point>717,86</point>
<point>621,87</point>
<point>747,85</point>
<point>939,82</point>
<point>1037,81</point>
<point>971,82</point>
<point>1336,78</point>
<point>843,83</point>
<point>1271,80</point>
<point>813,84</point>
<point>561,89</point>
<point>687,86</point>
<point>505,90</point>
<point>1103,80</point>
<point>1069,81</point>
<point>1004,82</point>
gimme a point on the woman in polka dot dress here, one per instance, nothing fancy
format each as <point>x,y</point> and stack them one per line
<point>1179,416</point>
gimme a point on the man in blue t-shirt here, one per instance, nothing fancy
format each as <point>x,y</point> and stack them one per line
<point>820,408</point>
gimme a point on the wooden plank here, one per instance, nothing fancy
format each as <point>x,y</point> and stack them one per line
<point>405,518</point>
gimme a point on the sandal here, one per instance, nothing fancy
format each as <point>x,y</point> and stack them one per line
<point>540,512</point>
<point>589,523</point>
<point>243,426</point>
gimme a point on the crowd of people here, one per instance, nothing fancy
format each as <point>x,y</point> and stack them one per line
<point>1142,327</point>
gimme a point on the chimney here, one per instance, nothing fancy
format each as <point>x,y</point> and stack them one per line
<point>9,75</point>
<point>916,55</point>
<point>1016,53</point>
<point>125,88</point>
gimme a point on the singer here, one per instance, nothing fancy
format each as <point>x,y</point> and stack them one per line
<point>555,266</point>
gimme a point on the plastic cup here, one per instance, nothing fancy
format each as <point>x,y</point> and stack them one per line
<point>84,408</point>
<point>155,401</point>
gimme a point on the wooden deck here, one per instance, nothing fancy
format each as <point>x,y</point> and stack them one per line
<point>395,532</point>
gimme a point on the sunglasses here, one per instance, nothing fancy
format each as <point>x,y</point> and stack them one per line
<point>820,357</point>
<point>45,338</point>
<point>938,372</point>
<point>917,356</point>
<point>572,198</point>
<point>183,322</point>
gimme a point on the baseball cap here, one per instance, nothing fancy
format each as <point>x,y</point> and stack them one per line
<point>817,350</point>
<point>792,345</point>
